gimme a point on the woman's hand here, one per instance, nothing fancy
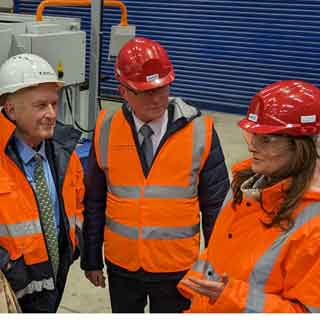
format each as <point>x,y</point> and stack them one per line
<point>210,288</point>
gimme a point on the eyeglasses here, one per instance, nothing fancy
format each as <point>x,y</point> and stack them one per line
<point>268,142</point>
<point>149,93</point>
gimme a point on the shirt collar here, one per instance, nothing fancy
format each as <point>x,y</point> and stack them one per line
<point>156,125</point>
<point>27,153</point>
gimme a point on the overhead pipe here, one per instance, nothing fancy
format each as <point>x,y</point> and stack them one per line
<point>82,3</point>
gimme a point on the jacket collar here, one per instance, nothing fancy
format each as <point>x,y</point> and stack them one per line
<point>7,130</point>
<point>273,196</point>
<point>183,110</point>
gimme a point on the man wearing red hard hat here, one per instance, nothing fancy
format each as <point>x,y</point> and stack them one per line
<point>154,165</point>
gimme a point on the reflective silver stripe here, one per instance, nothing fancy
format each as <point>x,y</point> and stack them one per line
<point>184,110</point>
<point>170,233</point>
<point>125,191</point>
<point>20,229</point>
<point>74,221</point>
<point>159,192</point>
<point>313,309</point>
<point>206,268</point>
<point>264,266</point>
<point>36,286</point>
<point>125,231</point>
<point>79,223</point>
<point>152,232</point>
<point>199,266</point>
<point>199,142</point>
<point>168,192</point>
<point>227,198</point>
<point>104,138</point>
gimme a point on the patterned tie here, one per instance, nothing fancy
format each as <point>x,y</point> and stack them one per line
<point>46,213</point>
<point>147,147</point>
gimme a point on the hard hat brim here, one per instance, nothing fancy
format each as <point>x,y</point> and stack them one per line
<point>252,127</point>
<point>290,129</point>
<point>17,87</point>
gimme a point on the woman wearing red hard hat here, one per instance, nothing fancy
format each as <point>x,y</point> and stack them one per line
<point>264,253</point>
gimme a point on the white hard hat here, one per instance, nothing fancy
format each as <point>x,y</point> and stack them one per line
<point>25,70</point>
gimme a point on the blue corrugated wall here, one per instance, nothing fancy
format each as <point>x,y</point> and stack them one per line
<point>223,50</point>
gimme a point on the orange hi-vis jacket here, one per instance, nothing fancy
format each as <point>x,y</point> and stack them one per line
<point>152,222</point>
<point>269,270</point>
<point>21,232</point>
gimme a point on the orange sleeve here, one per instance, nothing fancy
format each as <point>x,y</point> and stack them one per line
<point>80,189</point>
<point>233,299</point>
<point>301,285</point>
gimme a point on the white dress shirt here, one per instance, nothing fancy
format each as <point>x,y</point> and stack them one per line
<point>159,127</point>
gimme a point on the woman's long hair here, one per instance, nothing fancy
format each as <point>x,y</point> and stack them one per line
<point>301,169</point>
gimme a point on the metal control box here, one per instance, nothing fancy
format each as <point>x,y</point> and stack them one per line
<point>118,37</point>
<point>65,51</point>
<point>59,40</point>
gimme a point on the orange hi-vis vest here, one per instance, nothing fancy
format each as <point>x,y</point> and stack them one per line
<point>269,270</point>
<point>152,222</point>
<point>20,224</point>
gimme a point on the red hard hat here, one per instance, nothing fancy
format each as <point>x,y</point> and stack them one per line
<point>142,64</point>
<point>290,107</point>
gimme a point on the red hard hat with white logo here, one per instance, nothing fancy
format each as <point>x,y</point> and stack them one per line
<point>143,64</point>
<point>288,107</point>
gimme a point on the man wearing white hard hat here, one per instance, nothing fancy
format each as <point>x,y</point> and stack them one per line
<point>41,186</point>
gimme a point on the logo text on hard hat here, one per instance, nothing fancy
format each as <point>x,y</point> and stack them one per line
<point>253,117</point>
<point>152,77</point>
<point>46,73</point>
<point>308,119</point>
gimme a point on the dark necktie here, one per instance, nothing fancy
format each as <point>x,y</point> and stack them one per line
<point>46,213</point>
<point>147,147</point>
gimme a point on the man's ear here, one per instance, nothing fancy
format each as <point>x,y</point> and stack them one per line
<point>9,108</point>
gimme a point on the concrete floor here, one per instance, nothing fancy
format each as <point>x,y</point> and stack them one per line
<point>82,297</point>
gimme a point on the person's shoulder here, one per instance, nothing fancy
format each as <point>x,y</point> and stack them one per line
<point>183,109</point>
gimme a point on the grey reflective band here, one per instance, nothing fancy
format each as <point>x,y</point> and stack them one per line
<point>72,221</point>
<point>169,192</point>
<point>125,191</point>
<point>75,222</point>
<point>199,266</point>
<point>103,141</point>
<point>158,192</point>
<point>79,223</point>
<point>125,231</point>
<point>261,272</point>
<point>153,233</point>
<point>206,268</point>
<point>20,229</point>
<point>169,233</point>
<point>312,309</point>
<point>36,286</point>
<point>199,142</point>
<point>227,198</point>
